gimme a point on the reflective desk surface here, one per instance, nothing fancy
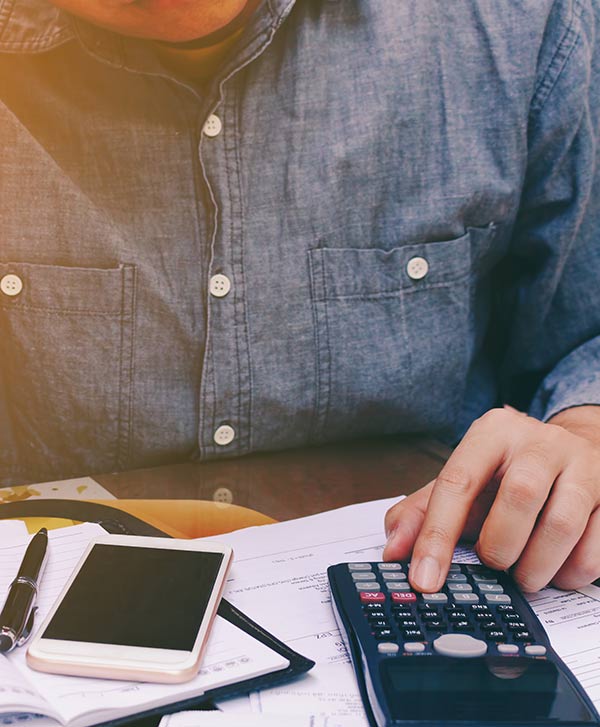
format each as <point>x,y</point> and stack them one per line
<point>293,483</point>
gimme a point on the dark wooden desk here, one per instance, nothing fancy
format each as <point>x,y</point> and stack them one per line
<point>293,483</point>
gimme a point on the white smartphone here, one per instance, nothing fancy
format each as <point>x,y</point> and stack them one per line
<point>135,608</point>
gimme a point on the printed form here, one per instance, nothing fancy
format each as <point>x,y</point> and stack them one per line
<point>279,577</point>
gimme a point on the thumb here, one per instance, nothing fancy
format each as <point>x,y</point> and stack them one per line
<point>403,523</point>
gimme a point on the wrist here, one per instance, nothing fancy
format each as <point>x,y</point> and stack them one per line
<point>583,421</point>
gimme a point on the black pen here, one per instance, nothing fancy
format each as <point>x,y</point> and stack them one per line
<point>16,619</point>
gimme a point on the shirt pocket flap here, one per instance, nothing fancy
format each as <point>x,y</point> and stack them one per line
<point>367,273</point>
<point>94,291</point>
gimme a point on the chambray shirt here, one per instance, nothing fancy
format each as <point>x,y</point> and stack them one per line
<point>381,216</point>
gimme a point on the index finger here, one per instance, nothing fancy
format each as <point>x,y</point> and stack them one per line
<point>466,473</point>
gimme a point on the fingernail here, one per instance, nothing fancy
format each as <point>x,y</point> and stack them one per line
<point>425,574</point>
<point>389,534</point>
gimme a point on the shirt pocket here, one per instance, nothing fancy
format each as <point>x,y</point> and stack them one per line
<point>393,335</point>
<point>66,368</point>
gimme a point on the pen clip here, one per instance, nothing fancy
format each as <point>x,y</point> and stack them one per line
<point>26,633</point>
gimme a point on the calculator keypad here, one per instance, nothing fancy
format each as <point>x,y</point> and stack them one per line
<point>470,615</point>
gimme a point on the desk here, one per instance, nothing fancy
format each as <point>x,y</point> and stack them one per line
<point>293,483</point>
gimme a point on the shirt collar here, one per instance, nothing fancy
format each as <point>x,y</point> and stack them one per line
<point>31,26</point>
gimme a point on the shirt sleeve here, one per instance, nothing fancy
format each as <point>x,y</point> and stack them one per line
<point>550,300</point>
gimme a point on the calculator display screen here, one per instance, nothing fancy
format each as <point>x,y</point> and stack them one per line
<point>132,596</point>
<point>519,689</point>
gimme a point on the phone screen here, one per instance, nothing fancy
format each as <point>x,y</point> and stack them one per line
<point>130,596</point>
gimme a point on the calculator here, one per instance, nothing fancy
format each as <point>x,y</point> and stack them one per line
<point>472,654</point>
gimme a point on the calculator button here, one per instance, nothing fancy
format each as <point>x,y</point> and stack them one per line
<point>508,649</point>
<point>362,575</point>
<point>506,609</point>
<point>455,568</point>
<point>398,608</point>
<point>413,635</point>
<point>387,647</point>
<point>456,578</point>
<point>369,608</point>
<point>434,598</point>
<point>483,579</point>
<point>483,616</point>
<point>517,626</point>
<point>374,616</point>
<point>510,617</point>
<point>480,608</point>
<point>480,570</point>
<point>459,645</point>
<point>372,597</point>
<point>490,627</point>
<point>383,634</point>
<point>456,616</point>
<point>535,650</point>
<point>522,636</point>
<point>435,625</point>
<point>429,615</point>
<point>414,647</point>
<point>465,597</point>
<point>500,598</point>
<point>367,586</point>
<point>460,587</point>
<point>359,566</point>
<point>453,608</point>
<point>490,588</point>
<point>379,623</point>
<point>403,597</point>
<point>398,586</point>
<point>495,636</point>
<point>408,623</point>
<point>393,575</point>
<point>389,566</point>
<point>462,626</point>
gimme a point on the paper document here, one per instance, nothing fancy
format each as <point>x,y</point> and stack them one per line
<point>280,575</point>
<point>13,531</point>
<point>219,719</point>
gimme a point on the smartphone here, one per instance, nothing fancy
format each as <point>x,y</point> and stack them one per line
<point>135,608</point>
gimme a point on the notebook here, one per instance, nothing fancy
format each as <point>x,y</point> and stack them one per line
<point>239,656</point>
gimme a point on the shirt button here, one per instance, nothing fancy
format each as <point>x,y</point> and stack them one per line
<point>417,268</point>
<point>219,286</point>
<point>224,495</point>
<point>212,126</point>
<point>11,285</point>
<point>224,435</point>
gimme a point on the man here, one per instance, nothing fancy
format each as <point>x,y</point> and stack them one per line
<point>231,227</point>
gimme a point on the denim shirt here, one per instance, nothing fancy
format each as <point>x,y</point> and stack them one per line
<point>379,217</point>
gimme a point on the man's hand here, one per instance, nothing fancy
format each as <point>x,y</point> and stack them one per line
<point>527,492</point>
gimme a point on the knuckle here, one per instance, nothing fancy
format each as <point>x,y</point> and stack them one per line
<point>586,569</point>
<point>494,556</point>
<point>493,418</point>
<point>436,535</point>
<point>391,518</point>
<point>582,496</point>
<point>539,454</point>
<point>559,525</point>
<point>528,581</point>
<point>521,490</point>
<point>453,480</point>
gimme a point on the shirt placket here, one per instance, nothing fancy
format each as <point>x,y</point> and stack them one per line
<point>224,411</point>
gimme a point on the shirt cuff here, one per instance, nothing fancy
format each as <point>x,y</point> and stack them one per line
<point>574,381</point>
